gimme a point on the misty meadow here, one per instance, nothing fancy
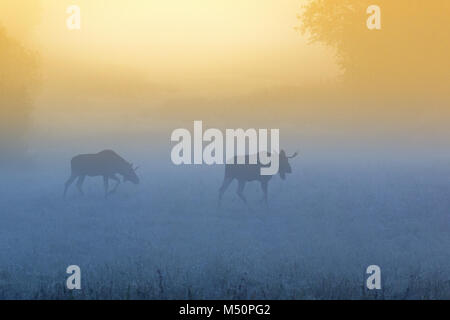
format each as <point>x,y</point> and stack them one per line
<point>364,104</point>
<point>167,239</point>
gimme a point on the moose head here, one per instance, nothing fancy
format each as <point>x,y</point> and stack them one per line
<point>285,167</point>
<point>129,174</point>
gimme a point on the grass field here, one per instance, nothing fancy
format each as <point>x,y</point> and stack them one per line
<point>167,239</point>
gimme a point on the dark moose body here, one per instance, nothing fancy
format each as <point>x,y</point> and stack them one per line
<point>107,164</point>
<point>247,172</point>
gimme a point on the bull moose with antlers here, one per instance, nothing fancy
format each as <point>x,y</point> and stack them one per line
<point>106,163</point>
<point>244,173</point>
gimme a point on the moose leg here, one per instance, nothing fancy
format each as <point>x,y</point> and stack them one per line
<point>264,185</point>
<point>80,184</point>
<point>68,183</point>
<point>225,184</point>
<point>240,190</point>
<point>106,185</point>
<point>117,180</point>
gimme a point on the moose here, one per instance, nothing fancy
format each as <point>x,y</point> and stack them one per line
<point>244,173</point>
<point>106,163</point>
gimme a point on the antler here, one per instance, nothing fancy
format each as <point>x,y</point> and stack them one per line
<point>293,156</point>
<point>133,167</point>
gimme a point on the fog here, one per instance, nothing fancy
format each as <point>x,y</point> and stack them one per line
<point>166,238</point>
<point>370,184</point>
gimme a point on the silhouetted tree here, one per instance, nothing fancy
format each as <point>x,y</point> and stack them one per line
<point>18,79</point>
<point>410,50</point>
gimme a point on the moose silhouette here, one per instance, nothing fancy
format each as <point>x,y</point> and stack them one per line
<point>244,173</point>
<point>106,163</point>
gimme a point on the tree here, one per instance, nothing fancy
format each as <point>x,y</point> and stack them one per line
<point>409,52</point>
<point>18,79</point>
